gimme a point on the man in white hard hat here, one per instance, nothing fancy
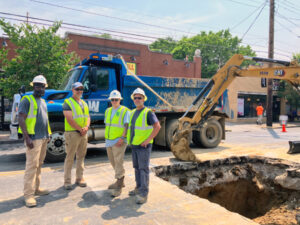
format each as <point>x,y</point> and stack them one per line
<point>35,127</point>
<point>143,127</point>
<point>116,124</point>
<point>77,122</point>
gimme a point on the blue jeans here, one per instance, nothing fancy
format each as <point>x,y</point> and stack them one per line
<point>140,161</point>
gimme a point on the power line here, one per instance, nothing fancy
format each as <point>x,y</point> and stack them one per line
<point>82,26</point>
<point>274,53</point>
<point>147,15</point>
<point>69,24</point>
<point>254,20</point>
<point>111,17</point>
<point>278,14</point>
<point>167,28</point>
<point>283,26</point>
<point>49,25</point>
<point>288,9</point>
<point>241,3</point>
<point>247,17</point>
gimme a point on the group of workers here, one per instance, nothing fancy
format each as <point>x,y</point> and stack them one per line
<point>123,127</point>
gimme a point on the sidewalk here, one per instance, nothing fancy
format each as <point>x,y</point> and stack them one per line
<point>4,138</point>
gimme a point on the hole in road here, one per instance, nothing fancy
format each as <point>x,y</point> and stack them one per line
<point>263,189</point>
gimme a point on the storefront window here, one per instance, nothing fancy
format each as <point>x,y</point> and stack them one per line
<point>247,104</point>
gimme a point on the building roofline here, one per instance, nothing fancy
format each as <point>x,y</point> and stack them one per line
<point>110,39</point>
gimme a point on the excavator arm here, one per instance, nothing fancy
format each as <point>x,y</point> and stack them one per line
<point>210,94</point>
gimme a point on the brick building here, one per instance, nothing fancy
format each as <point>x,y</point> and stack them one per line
<point>146,61</point>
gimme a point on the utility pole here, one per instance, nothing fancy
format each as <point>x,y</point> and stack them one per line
<point>271,56</point>
<point>27,17</point>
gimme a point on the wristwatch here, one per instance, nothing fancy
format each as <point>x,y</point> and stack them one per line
<point>123,137</point>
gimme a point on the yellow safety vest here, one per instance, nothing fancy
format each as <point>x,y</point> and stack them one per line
<point>114,127</point>
<point>31,116</point>
<point>141,128</point>
<point>79,116</point>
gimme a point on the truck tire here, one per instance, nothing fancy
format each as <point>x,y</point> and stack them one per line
<point>56,146</point>
<point>171,128</point>
<point>209,136</point>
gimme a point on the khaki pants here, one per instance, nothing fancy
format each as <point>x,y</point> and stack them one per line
<point>75,144</point>
<point>34,161</point>
<point>116,157</point>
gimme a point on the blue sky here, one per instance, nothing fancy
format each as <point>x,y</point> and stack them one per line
<point>143,21</point>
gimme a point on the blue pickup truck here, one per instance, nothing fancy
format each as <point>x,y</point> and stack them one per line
<point>100,74</point>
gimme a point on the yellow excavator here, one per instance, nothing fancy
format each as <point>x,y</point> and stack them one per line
<point>209,96</point>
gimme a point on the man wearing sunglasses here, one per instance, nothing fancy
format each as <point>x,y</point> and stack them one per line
<point>116,125</point>
<point>35,127</point>
<point>143,127</point>
<point>77,122</point>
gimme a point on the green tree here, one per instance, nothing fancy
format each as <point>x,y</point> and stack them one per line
<point>216,49</point>
<point>297,57</point>
<point>38,51</point>
<point>105,35</point>
<point>165,45</point>
<point>288,92</point>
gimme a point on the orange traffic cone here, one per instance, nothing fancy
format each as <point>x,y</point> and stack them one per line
<point>283,128</point>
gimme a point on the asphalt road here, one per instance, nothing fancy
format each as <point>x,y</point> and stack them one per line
<point>99,174</point>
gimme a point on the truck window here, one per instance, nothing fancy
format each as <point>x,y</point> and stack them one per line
<point>71,77</point>
<point>102,79</point>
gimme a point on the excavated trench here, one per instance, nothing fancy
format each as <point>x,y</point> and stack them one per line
<point>263,189</point>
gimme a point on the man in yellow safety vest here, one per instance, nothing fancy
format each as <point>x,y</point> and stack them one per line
<point>77,122</point>
<point>116,125</point>
<point>143,127</point>
<point>35,127</point>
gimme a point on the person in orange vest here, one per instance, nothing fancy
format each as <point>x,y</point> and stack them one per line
<point>259,112</point>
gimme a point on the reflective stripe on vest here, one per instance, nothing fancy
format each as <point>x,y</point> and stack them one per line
<point>114,127</point>
<point>77,114</point>
<point>31,116</point>
<point>141,129</point>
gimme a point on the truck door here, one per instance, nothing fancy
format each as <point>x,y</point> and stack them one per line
<point>98,82</point>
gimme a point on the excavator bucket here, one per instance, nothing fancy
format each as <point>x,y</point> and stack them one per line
<point>180,146</point>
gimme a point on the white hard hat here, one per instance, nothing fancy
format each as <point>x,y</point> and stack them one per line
<point>39,79</point>
<point>138,91</point>
<point>115,94</point>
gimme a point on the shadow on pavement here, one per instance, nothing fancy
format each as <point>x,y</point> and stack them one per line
<point>273,133</point>
<point>12,204</point>
<point>124,208</point>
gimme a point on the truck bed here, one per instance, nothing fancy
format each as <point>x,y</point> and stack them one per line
<point>179,92</point>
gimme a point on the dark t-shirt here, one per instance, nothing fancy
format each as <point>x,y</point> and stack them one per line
<point>151,119</point>
<point>41,126</point>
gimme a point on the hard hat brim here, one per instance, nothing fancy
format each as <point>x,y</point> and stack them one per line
<point>145,97</point>
<point>31,84</point>
<point>114,98</point>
